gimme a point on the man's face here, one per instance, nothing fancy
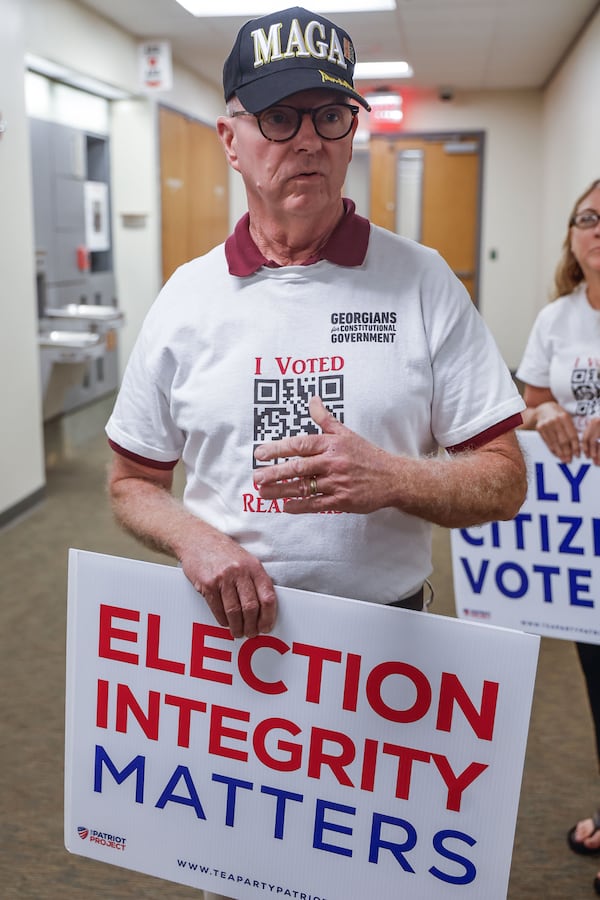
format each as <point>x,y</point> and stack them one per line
<point>302,176</point>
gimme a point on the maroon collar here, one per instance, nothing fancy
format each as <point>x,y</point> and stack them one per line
<point>346,246</point>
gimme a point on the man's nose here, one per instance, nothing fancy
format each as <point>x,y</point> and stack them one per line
<point>307,131</point>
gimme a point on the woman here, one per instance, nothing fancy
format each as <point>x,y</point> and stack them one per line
<point>561,373</point>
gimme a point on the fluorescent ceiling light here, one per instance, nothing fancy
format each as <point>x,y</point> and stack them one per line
<point>370,70</point>
<point>75,79</point>
<point>249,9</point>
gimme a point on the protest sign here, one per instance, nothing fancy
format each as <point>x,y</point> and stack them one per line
<point>538,572</point>
<point>356,751</point>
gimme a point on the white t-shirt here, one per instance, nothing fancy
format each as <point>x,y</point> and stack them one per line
<point>394,347</point>
<point>563,354</point>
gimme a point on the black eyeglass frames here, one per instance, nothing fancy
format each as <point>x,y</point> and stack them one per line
<point>332,121</point>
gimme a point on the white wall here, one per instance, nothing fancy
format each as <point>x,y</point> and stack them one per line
<point>135,191</point>
<point>570,136</point>
<point>21,457</point>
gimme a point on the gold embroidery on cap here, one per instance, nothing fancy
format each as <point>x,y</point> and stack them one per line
<point>335,80</point>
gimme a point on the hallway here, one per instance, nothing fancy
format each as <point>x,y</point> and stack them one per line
<point>560,783</point>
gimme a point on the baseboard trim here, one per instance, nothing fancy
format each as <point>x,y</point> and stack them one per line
<point>23,506</point>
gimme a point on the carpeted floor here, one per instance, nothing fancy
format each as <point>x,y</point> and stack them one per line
<point>560,782</point>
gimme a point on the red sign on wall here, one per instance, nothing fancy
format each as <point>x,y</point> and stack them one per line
<point>386,112</point>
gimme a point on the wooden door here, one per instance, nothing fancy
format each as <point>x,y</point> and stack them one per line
<point>449,196</point>
<point>194,189</point>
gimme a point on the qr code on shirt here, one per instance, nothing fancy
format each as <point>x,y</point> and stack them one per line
<point>281,406</point>
<point>585,384</point>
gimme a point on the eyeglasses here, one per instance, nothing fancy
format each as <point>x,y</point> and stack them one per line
<point>589,218</point>
<point>332,122</point>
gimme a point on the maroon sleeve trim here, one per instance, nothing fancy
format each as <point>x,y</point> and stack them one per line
<point>479,440</point>
<point>142,460</point>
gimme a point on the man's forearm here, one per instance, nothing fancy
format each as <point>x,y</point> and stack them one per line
<point>152,515</point>
<point>462,490</point>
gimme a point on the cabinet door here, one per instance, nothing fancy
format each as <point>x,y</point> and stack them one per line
<point>43,198</point>
<point>101,289</point>
<point>66,262</point>
<point>68,151</point>
<point>69,205</point>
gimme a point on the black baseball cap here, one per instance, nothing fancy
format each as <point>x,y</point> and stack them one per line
<point>285,52</point>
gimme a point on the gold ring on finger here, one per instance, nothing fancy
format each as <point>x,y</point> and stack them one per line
<point>313,486</point>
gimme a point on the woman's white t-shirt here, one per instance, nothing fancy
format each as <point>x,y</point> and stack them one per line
<point>563,354</point>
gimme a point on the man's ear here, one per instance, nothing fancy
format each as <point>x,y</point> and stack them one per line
<point>226,135</point>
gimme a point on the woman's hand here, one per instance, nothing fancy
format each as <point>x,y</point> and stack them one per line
<point>552,421</point>
<point>590,442</point>
<point>555,425</point>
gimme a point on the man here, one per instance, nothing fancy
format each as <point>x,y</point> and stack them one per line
<point>307,371</point>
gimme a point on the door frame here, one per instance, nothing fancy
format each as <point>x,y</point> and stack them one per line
<point>443,137</point>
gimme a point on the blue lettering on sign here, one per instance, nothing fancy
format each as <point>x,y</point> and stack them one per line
<point>232,785</point>
<point>397,850</point>
<point>192,799</point>
<point>475,582</point>
<point>544,534</point>
<point>470,871</point>
<point>523,586</point>
<point>542,494</point>
<point>575,587</point>
<point>596,535</point>
<point>323,821</point>
<point>476,542</point>
<point>574,480</point>
<point>321,825</point>
<point>574,523</point>
<point>519,521</point>
<point>513,581</point>
<point>282,798</point>
<point>137,765</point>
<point>558,534</point>
<point>546,572</point>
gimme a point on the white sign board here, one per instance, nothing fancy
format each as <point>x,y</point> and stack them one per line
<point>155,66</point>
<point>540,571</point>
<point>356,751</point>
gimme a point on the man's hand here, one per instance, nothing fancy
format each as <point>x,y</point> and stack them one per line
<point>337,470</point>
<point>340,471</point>
<point>234,584</point>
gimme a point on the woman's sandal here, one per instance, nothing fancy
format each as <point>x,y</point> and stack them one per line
<point>580,847</point>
